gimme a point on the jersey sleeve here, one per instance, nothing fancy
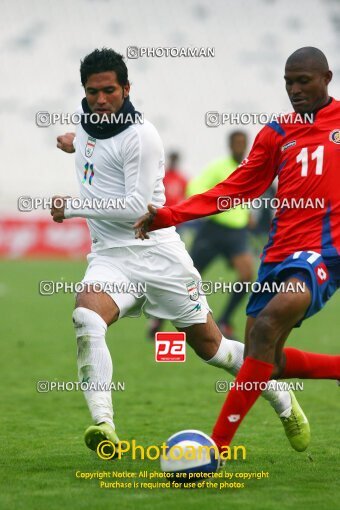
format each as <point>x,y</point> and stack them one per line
<point>248,181</point>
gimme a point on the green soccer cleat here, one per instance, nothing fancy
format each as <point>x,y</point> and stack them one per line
<point>296,426</point>
<point>95,434</point>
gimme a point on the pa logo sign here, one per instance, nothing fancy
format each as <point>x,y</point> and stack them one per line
<point>170,347</point>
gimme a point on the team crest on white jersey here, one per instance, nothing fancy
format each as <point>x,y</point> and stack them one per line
<point>90,145</point>
<point>192,290</point>
<point>334,136</point>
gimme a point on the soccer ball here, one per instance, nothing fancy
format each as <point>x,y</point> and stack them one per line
<point>187,452</point>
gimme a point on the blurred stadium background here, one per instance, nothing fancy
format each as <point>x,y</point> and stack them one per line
<point>42,43</point>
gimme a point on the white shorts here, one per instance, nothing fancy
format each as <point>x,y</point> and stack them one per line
<point>159,280</point>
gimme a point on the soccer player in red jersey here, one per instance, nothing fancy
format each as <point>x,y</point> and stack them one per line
<point>304,240</point>
<point>174,182</point>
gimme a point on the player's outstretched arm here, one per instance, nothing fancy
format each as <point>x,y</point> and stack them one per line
<point>250,180</point>
<point>66,142</point>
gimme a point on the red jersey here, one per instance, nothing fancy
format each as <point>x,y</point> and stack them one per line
<point>175,185</point>
<point>306,159</point>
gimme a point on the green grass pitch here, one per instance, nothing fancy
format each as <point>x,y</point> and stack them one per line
<point>42,433</point>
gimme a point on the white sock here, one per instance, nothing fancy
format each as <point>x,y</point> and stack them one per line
<point>94,362</point>
<point>230,357</point>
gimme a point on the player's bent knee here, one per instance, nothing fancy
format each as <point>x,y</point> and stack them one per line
<point>263,334</point>
<point>87,322</point>
<point>101,303</point>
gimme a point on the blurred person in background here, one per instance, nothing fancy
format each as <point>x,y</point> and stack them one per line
<point>224,235</point>
<point>174,182</point>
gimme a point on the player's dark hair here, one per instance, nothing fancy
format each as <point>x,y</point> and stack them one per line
<point>103,60</point>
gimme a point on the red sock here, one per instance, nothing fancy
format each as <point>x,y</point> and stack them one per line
<point>310,365</point>
<point>240,399</point>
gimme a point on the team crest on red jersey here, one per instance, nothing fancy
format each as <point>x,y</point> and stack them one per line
<point>334,136</point>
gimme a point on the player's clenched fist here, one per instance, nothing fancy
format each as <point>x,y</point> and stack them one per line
<point>65,142</point>
<point>58,208</point>
<point>143,224</point>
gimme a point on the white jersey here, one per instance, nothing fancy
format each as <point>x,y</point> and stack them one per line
<point>128,170</point>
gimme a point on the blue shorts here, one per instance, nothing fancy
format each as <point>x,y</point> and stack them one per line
<point>320,275</point>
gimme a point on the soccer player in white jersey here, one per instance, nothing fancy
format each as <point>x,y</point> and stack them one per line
<point>122,157</point>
